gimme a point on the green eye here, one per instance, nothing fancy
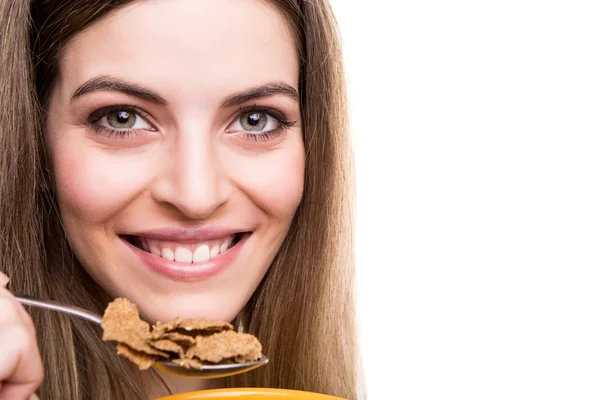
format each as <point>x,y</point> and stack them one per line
<point>253,121</point>
<point>258,123</point>
<point>121,119</point>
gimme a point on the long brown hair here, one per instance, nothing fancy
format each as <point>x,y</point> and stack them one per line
<point>303,310</point>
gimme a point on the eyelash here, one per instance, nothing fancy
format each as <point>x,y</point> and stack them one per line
<point>112,132</point>
<point>97,115</point>
<point>284,123</point>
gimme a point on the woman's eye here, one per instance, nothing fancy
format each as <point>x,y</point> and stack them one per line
<point>255,121</point>
<point>124,119</point>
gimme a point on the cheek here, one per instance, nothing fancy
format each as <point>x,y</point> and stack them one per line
<point>92,185</point>
<point>274,181</point>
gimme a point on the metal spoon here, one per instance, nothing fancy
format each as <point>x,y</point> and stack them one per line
<point>207,371</point>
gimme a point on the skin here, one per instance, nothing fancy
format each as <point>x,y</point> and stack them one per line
<point>188,165</point>
<point>21,370</point>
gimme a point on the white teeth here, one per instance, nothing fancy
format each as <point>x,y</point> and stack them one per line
<point>224,246</point>
<point>201,254</point>
<point>168,254</point>
<point>183,255</point>
<point>214,251</point>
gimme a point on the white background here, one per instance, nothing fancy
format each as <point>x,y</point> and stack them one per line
<point>476,129</point>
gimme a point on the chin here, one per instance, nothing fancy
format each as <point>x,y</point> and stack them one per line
<point>213,306</point>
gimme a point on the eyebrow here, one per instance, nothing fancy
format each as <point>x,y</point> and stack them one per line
<point>269,89</point>
<point>106,83</point>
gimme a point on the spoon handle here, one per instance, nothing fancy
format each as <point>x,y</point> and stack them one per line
<point>52,305</point>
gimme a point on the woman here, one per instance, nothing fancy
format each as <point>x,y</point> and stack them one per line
<point>191,156</point>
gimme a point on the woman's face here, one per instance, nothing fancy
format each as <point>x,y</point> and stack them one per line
<point>174,128</point>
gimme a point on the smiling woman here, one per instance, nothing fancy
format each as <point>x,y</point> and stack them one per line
<point>191,156</point>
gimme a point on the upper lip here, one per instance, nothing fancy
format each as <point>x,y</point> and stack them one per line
<point>186,235</point>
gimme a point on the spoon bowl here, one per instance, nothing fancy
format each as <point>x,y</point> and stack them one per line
<point>210,371</point>
<point>206,372</point>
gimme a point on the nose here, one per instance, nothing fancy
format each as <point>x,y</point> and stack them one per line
<point>191,177</point>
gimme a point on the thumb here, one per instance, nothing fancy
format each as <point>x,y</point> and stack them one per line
<point>3,280</point>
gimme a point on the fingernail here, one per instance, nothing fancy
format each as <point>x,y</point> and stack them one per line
<point>34,397</point>
<point>3,280</point>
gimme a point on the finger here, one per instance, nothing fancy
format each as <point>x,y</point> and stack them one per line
<point>9,310</point>
<point>3,280</point>
<point>16,392</point>
<point>21,370</point>
<point>8,302</point>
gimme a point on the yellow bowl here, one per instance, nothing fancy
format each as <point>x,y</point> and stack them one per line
<point>250,394</point>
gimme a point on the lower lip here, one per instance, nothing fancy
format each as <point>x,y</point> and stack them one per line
<point>188,271</point>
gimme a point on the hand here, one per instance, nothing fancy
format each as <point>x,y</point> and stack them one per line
<point>21,370</point>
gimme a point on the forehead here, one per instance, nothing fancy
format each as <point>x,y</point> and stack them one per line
<point>185,47</point>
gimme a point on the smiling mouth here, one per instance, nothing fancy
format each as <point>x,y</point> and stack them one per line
<point>185,252</point>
